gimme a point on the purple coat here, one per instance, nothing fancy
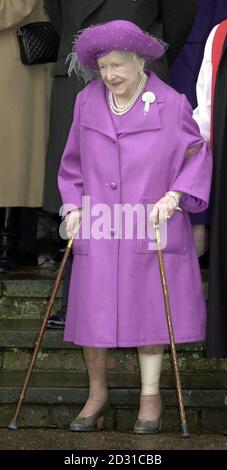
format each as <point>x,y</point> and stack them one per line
<point>115,296</point>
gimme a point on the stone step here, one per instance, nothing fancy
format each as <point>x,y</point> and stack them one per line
<point>22,333</point>
<point>33,282</point>
<point>120,416</point>
<point>204,380</point>
<point>194,373</point>
<point>57,388</point>
<point>53,399</point>
<point>28,288</point>
<point>25,294</point>
<point>17,339</point>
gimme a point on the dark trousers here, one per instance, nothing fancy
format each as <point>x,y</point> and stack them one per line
<point>18,231</point>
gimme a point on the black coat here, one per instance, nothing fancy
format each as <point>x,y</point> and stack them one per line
<point>217,295</point>
<point>170,20</point>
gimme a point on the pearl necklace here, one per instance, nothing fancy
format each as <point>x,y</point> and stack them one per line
<point>118,109</point>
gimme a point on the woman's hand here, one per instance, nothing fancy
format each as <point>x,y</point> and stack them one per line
<point>165,207</point>
<point>73,220</point>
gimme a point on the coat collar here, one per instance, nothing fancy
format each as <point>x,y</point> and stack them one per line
<point>96,113</point>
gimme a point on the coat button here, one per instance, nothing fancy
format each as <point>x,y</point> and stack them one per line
<point>113,185</point>
<point>112,231</point>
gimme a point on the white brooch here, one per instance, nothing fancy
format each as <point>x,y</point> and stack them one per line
<point>148,98</point>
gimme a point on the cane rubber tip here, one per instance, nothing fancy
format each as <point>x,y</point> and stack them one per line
<point>13,425</point>
<point>185,433</point>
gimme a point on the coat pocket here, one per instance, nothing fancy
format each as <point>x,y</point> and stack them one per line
<point>173,233</point>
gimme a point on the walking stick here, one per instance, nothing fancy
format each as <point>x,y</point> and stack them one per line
<point>184,426</point>
<point>13,422</point>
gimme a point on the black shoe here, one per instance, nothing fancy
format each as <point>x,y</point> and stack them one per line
<point>57,321</point>
<point>225,432</point>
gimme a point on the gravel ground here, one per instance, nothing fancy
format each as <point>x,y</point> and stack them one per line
<point>43,439</point>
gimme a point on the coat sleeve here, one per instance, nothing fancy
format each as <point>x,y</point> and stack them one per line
<point>12,12</point>
<point>193,169</point>
<point>54,12</point>
<point>178,17</point>
<point>70,180</point>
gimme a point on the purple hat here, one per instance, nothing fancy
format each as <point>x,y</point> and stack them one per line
<point>119,35</point>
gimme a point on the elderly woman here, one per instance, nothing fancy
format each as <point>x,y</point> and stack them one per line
<point>132,144</point>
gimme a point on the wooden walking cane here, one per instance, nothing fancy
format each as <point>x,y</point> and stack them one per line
<point>13,422</point>
<point>184,426</point>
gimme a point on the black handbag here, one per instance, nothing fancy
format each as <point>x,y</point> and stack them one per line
<point>38,43</point>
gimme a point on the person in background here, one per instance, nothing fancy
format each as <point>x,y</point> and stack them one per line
<point>142,149</point>
<point>211,116</point>
<point>163,18</point>
<point>183,76</point>
<point>22,138</point>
